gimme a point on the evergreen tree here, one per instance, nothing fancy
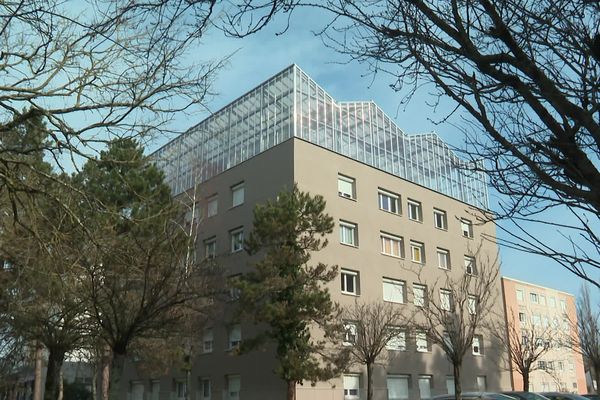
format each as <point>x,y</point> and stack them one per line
<point>286,293</point>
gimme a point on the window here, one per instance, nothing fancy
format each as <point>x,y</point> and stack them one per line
<point>524,338</point>
<point>234,292</point>
<point>237,240</point>
<point>351,387</point>
<point>476,345</point>
<point>447,340</point>
<point>421,341</point>
<point>210,247</point>
<point>425,386</point>
<point>212,206</point>
<point>522,317</point>
<point>398,340</point>
<point>520,295</point>
<point>234,386</point>
<point>419,293</point>
<point>205,389</point>
<point>346,187</point>
<point>542,300</point>
<point>482,383</point>
<point>563,305</point>
<point>445,299</point>
<point>466,227</point>
<point>237,195</point>
<point>542,365</point>
<point>533,297</point>
<point>207,341</point>
<point>154,389</point>
<point>440,219</point>
<point>349,282</point>
<point>443,258</point>
<point>392,245</point>
<point>415,210</point>
<point>472,304</point>
<point>450,384</point>
<point>536,320</point>
<point>552,302</point>
<point>348,233</point>
<point>393,290</point>
<point>470,266</point>
<point>137,390</point>
<point>180,389</point>
<point>235,336</point>
<point>350,330</point>
<point>417,252</point>
<point>397,386</point>
<point>389,201</point>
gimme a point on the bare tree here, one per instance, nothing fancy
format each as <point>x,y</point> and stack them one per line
<point>96,70</point>
<point>588,325</point>
<point>456,310</point>
<point>371,327</point>
<point>526,73</point>
<point>527,342</point>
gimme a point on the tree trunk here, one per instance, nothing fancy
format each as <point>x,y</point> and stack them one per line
<point>117,364</point>
<point>457,384</point>
<point>369,381</point>
<point>105,373</point>
<point>61,386</point>
<point>526,381</point>
<point>291,390</point>
<point>37,383</point>
<point>56,357</point>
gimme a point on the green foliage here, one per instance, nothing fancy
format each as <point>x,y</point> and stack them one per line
<point>286,293</point>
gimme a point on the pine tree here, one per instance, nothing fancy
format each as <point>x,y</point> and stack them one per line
<point>286,293</point>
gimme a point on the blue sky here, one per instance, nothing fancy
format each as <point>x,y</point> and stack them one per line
<point>256,58</point>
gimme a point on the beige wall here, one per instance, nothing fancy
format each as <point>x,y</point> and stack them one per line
<point>572,371</point>
<point>316,170</point>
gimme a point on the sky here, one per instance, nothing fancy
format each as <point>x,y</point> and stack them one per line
<point>256,58</point>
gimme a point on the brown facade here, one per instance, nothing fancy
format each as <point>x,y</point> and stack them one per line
<point>552,313</point>
<point>317,171</point>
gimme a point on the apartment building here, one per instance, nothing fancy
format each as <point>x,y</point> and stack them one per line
<point>402,203</point>
<point>549,315</point>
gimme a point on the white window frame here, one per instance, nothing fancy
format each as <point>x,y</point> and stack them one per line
<point>350,333</point>
<point>470,265</point>
<point>205,389</point>
<point>533,297</point>
<point>346,274</point>
<point>351,385</point>
<point>522,317</point>
<point>155,389</point>
<point>393,200</point>
<point>212,206</point>
<point>234,337</point>
<point>419,301</point>
<point>394,290</point>
<point>234,387</point>
<point>237,239</point>
<point>520,295</point>
<point>421,342</point>
<point>425,386</point>
<point>210,247</point>
<point>208,341</point>
<point>396,244</point>
<point>450,384</point>
<point>472,304</point>
<point>398,341</point>
<point>415,210</point>
<point>137,390</point>
<point>482,383</point>
<point>348,230</point>
<point>238,194</point>
<point>403,387</point>
<point>476,345</point>
<point>443,257</point>
<point>180,389</point>
<point>417,248</point>
<point>342,192</point>
<point>443,218</point>
<point>466,227</point>
<point>445,299</point>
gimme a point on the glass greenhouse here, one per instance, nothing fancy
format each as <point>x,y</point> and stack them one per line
<point>291,104</point>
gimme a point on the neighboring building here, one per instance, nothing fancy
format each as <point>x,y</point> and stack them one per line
<point>552,313</point>
<point>399,202</point>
